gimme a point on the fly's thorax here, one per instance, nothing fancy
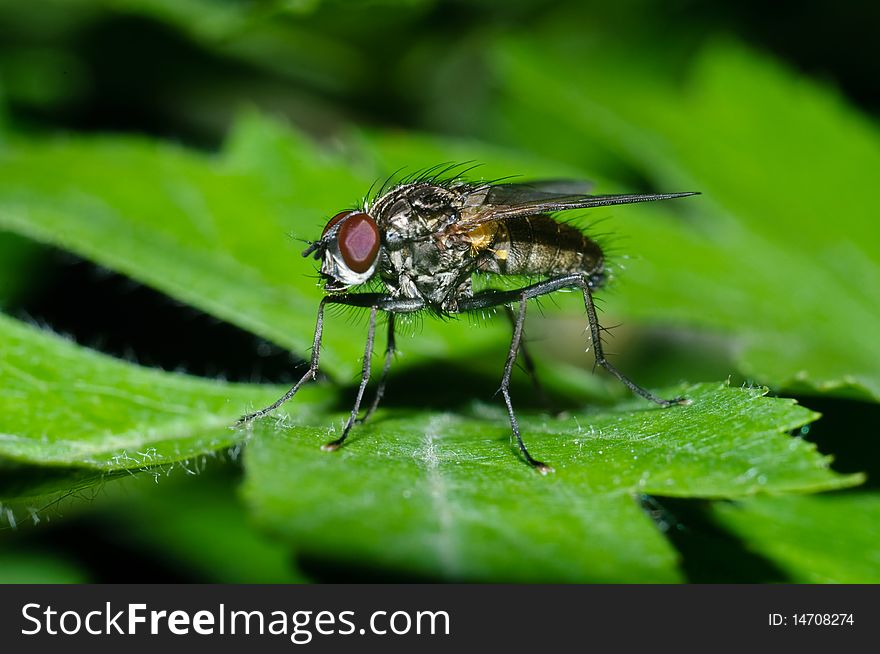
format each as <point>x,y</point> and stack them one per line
<point>415,211</point>
<point>432,269</point>
<point>416,260</point>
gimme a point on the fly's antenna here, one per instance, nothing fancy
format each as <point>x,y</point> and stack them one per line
<point>314,246</point>
<point>294,237</point>
<point>320,245</point>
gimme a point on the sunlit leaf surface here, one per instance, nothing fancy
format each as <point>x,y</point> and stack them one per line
<point>815,539</point>
<point>445,496</point>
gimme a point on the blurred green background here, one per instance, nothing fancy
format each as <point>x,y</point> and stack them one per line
<point>771,277</point>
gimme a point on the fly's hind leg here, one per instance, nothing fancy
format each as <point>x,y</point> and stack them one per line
<point>493,298</point>
<point>515,346</point>
<point>596,336</point>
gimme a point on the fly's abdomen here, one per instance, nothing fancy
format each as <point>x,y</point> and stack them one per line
<point>538,245</point>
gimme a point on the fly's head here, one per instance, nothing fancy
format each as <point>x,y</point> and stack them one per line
<point>349,249</point>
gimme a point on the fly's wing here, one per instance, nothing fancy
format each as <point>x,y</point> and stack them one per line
<point>537,191</point>
<point>503,202</point>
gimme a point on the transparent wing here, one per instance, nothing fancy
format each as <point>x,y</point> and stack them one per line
<point>508,201</point>
<point>536,191</point>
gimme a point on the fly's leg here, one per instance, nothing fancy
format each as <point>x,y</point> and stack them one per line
<point>365,377</point>
<point>311,373</point>
<point>596,336</point>
<point>375,302</point>
<point>528,362</point>
<point>492,298</point>
<point>389,355</point>
<point>515,343</point>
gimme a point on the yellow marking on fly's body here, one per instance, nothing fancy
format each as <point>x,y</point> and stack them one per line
<point>481,236</point>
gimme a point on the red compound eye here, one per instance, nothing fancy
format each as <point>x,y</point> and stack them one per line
<point>335,219</point>
<point>358,240</point>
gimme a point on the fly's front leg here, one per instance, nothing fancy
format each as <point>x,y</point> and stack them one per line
<point>596,336</point>
<point>515,342</point>
<point>311,373</point>
<point>375,302</point>
<point>365,377</point>
<point>389,355</point>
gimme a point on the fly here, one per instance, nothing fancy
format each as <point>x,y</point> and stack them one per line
<point>426,238</point>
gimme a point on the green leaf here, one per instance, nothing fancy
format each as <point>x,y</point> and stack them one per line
<point>196,524</point>
<point>422,492</point>
<point>64,405</point>
<point>816,539</point>
<point>31,493</point>
<point>18,566</point>
<point>780,252</point>
<point>193,522</point>
<point>200,230</point>
<point>211,232</point>
<point>444,495</point>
